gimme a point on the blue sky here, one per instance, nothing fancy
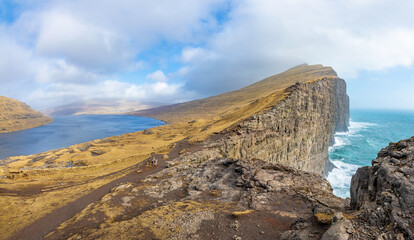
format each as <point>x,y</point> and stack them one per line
<point>55,52</point>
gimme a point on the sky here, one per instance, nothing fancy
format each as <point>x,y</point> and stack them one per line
<point>54,52</point>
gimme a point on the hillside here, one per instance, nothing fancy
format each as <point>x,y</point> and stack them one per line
<point>216,106</point>
<point>277,133</point>
<point>16,115</point>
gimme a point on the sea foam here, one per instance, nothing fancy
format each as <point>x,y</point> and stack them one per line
<point>369,131</point>
<point>340,176</point>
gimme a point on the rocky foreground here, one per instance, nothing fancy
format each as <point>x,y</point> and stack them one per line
<point>384,194</point>
<point>253,199</point>
<point>214,199</point>
<point>247,164</point>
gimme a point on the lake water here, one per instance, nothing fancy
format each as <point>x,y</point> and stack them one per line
<point>69,130</point>
<point>369,132</point>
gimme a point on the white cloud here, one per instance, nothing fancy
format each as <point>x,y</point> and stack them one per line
<point>158,76</point>
<point>69,50</point>
<point>82,43</point>
<point>192,54</point>
<point>15,60</point>
<point>59,93</point>
<point>265,37</point>
<point>60,71</point>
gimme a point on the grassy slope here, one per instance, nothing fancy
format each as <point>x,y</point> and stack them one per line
<point>216,106</point>
<point>61,185</point>
<point>15,116</point>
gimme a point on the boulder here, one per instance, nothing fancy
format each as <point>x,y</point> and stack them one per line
<point>385,192</point>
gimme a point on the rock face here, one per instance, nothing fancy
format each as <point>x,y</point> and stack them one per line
<point>385,193</point>
<point>15,116</point>
<point>255,172</point>
<point>341,106</point>
<point>297,131</point>
<point>211,199</point>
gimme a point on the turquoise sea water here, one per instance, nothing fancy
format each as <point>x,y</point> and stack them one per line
<point>70,130</point>
<point>369,131</point>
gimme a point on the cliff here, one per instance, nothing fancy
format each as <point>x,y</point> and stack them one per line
<point>295,132</point>
<point>241,164</point>
<point>384,193</point>
<point>289,118</point>
<point>218,106</point>
<point>15,116</point>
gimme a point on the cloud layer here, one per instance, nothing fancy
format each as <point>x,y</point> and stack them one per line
<point>56,52</point>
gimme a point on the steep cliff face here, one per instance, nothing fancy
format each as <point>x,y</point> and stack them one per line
<point>234,169</point>
<point>296,131</point>
<point>16,115</point>
<point>341,106</point>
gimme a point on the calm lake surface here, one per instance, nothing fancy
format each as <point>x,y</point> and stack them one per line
<point>69,130</point>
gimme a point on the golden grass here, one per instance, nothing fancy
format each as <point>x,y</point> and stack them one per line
<point>212,115</point>
<point>215,107</point>
<point>238,214</point>
<point>324,218</point>
<point>15,116</point>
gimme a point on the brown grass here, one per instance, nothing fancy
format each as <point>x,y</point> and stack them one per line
<point>15,116</point>
<point>46,171</point>
<point>217,106</point>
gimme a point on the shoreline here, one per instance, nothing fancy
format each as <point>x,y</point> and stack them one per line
<point>80,142</point>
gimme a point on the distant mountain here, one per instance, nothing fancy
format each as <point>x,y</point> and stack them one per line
<point>98,106</point>
<point>16,115</point>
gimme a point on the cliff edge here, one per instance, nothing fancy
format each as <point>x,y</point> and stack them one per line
<point>384,193</point>
<point>289,118</point>
<point>244,164</point>
<point>16,115</point>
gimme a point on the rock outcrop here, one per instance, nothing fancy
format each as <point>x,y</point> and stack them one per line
<point>246,164</point>
<point>289,118</point>
<point>15,116</point>
<point>384,193</point>
<point>212,199</point>
<point>296,131</point>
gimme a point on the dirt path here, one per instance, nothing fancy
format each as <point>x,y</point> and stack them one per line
<point>44,225</point>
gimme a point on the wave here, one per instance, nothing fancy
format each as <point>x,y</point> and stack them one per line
<point>340,177</point>
<point>357,126</point>
<point>343,138</point>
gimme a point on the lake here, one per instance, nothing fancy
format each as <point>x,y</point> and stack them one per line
<point>69,130</point>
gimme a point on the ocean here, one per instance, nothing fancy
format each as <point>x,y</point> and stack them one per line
<point>369,132</point>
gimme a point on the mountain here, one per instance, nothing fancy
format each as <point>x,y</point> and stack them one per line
<point>98,106</point>
<point>287,118</point>
<point>16,115</point>
<point>217,106</point>
<point>245,164</point>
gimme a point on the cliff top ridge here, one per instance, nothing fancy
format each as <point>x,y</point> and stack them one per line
<point>211,107</point>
